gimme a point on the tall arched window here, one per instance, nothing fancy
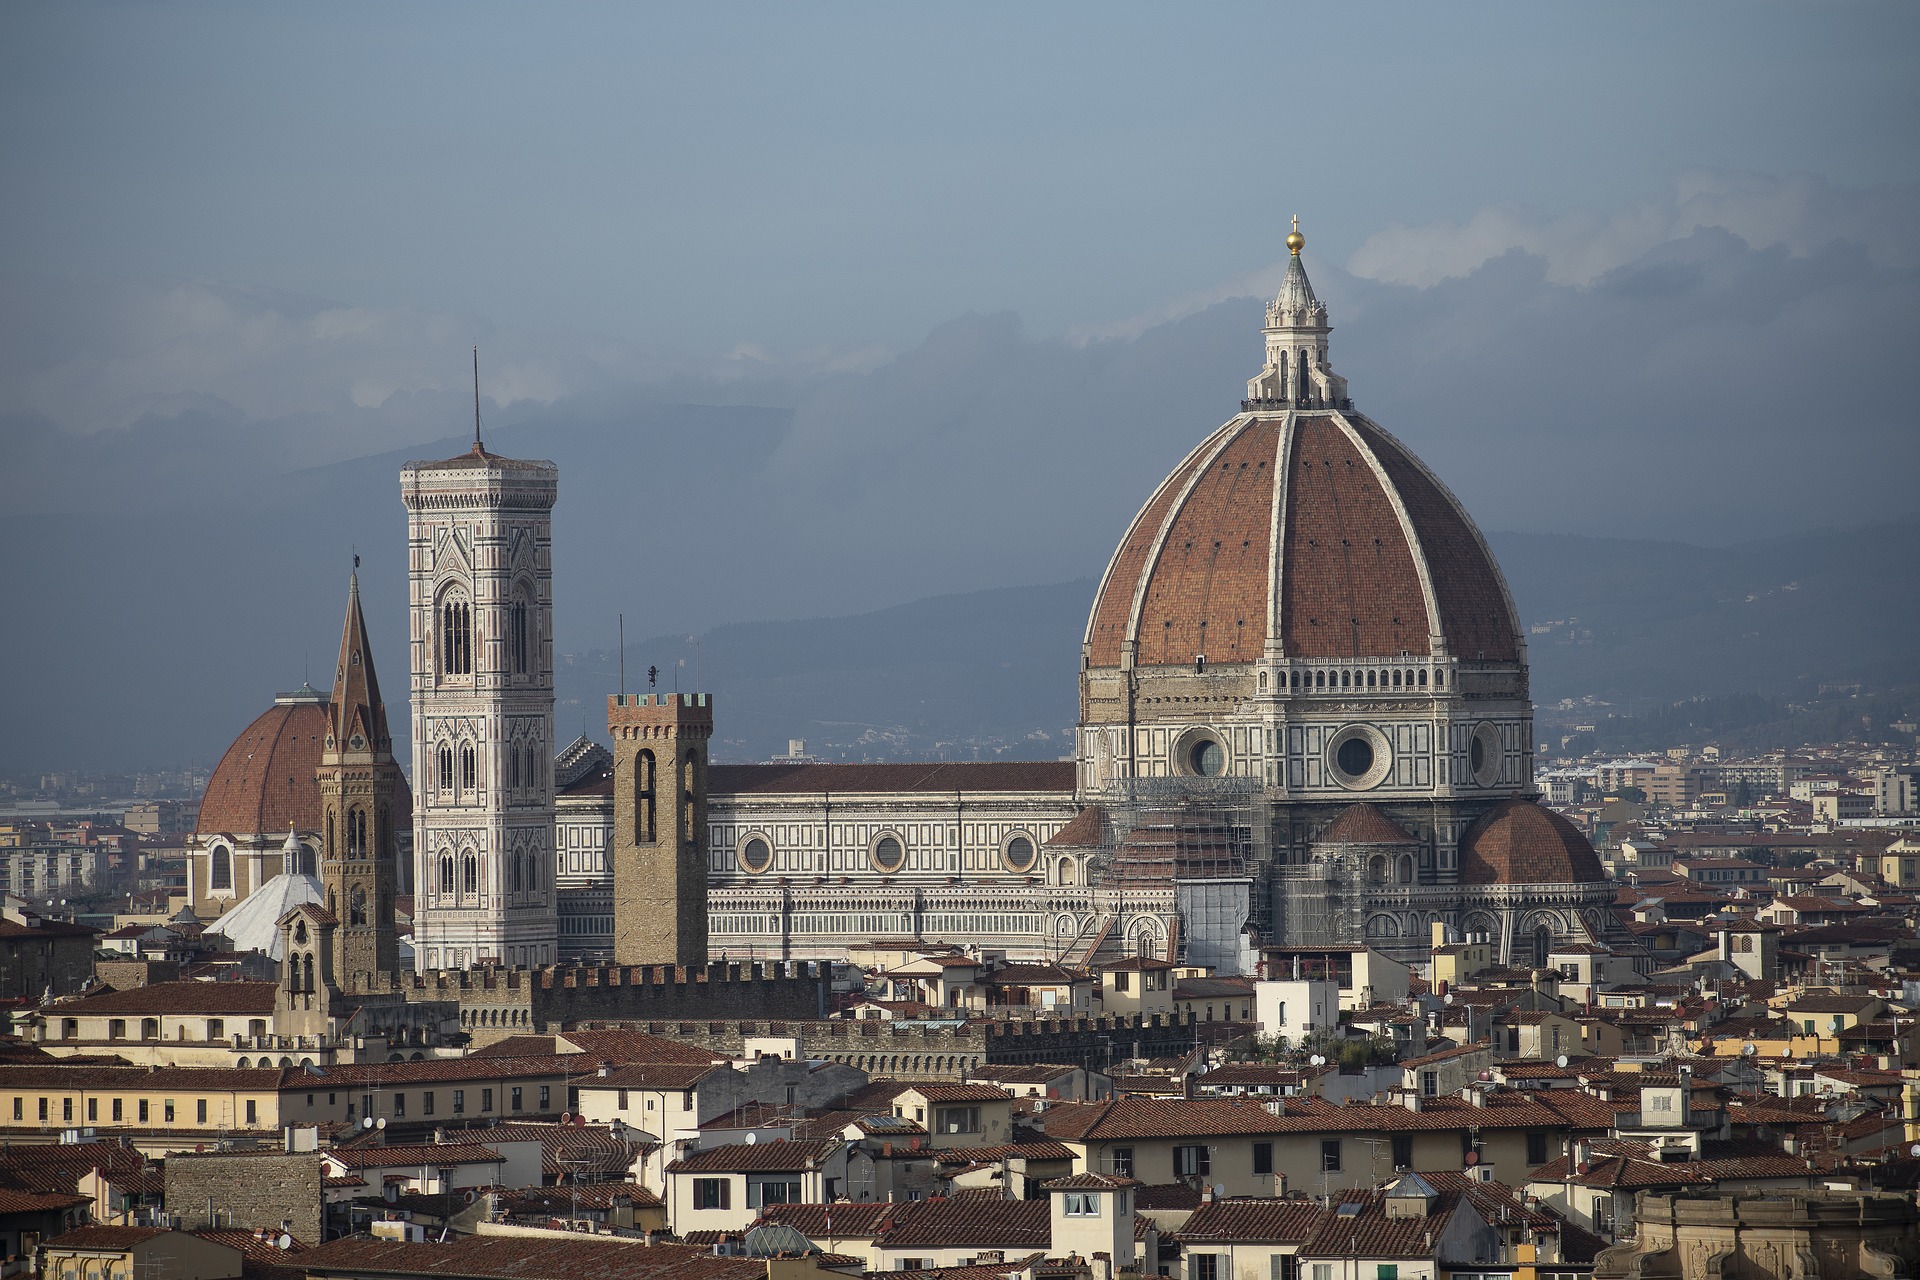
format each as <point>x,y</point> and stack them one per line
<point>446,873</point>
<point>513,766</point>
<point>329,840</point>
<point>687,770</point>
<point>356,833</point>
<point>456,638</point>
<point>470,875</point>
<point>513,880</point>
<point>469,773</point>
<point>220,868</point>
<point>1283,374</point>
<point>307,976</point>
<point>357,907</point>
<point>517,639</point>
<point>644,784</point>
<point>446,767</point>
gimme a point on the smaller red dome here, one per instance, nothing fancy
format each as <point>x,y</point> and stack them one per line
<point>1363,824</point>
<point>1519,842</point>
<point>266,781</point>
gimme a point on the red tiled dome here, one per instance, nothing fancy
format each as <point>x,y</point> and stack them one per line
<point>1376,557</point>
<point>266,781</point>
<point>1519,842</point>
<point>1364,824</point>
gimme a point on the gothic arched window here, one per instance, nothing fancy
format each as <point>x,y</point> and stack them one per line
<point>220,868</point>
<point>356,833</point>
<point>687,771</point>
<point>307,975</point>
<point>644,783</point>
<point>470,875</point>
<point>456,638</point>
<point>1283,375</point>
<point>517,635</point>
<point>513,880</point>
<point>357,907</point>
<point>446,767</point>
<point>513,767</point>
<point>469,774</point>
<point>446,873</point>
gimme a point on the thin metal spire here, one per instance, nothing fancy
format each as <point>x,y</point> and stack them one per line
<point>478,447</point>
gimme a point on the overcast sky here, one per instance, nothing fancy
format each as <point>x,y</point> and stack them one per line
<point>1641,269</point>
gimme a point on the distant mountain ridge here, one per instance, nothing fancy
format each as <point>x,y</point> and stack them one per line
<point>991,674</point>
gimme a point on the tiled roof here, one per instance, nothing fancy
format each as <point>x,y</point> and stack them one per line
<point>1520,842</point>
<point>963,1223</point>
<point>624,1047</point>
<point>958,1092</point>
<point>1363,824</point>
<point>12,1201</point>
<point>1088,830</point>
<point>236,998</point>
<point>1202,1117</point>
<point>185,1079</point>
<point>978,1271</point>
<point>759,1157</point>
<point>575,1150</point>
<point>819,1222</point>
<point>1370,1233</point>
<point>1022,1072</point>
<point>1008,1151</point>
<point>1091,1182</point>
<point>526,1258</point>
<point>807,779</point>
<point>651,1075</point>
<point>115,1238</point>
<point>1253,1221</point>
<point>434,1155</point>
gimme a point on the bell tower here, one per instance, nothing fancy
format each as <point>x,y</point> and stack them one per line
<point>360,786</point>
<point>480,571</point>
<point>660,827</point>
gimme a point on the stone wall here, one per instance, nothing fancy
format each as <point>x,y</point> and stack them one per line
<point>273,1190</point>
<point>508,1001</point>
<point>948,1051</point>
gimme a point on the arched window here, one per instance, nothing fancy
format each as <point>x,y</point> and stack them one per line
<point>1423,679</point>
<point>644,783</point>
<point>446,873</point>
<point>1346,679</point>
<point>1300,377</point>
<point>220,868</point>
<point>1320,679</point>
<point>1439,679</point>
<point>517,635</point>
<point>1406,868</point>
<point>1370,683</point>
<point>513,766</point>
<point>686,795</point>
<point>306,867</point>
<point>357,907</point>
<point>533,871</point>
<point>329,833</point>
<point>456,638</point>
<point>446,767</point>
<point>1283,374</point>
<point>513,878</point>
<point>470,875</point>
<point>307,975</point>
<point>356,833</point>
<point>469,774</point>
<point>1541,942</point>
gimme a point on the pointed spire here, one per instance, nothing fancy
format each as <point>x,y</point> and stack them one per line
<point>1297,374</point>
<point>355,708</point>
<point>477,446</point>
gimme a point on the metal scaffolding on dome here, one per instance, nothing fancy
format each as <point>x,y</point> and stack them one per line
<point>1321,902</point>
<point>1183,849</point>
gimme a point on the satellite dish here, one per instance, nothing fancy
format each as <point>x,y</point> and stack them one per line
<point>367,1123</point>
<point>381,1123</point>
<point>1748,1049</point>
<point>1219,1191</point>
<point>285,1241</point>
<point>1833,1024</point>
<point>1449,1000</point>
<point>1915,1151</point>
<point>752,1138</point>
<point>1561,1062</point>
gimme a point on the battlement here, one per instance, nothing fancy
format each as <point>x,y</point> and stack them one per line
<point>649,715</point>
<point>556,996</point>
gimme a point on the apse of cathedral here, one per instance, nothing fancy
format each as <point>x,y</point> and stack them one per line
<point>1304,721</point>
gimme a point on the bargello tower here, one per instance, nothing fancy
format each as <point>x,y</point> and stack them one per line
<point>480,572</point>
<point>360,784</point>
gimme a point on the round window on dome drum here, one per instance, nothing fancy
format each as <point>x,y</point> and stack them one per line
<point>1483,755</point>
<point>1019,855</point>
<point>1355,756</point>
<point>888,854</point>
<point>1358,757</point>
<point>1207,758</point>
<point>756,855</point>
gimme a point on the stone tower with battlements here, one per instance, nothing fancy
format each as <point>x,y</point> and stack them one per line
<point>360,800</point>
<point>480,575</point>
<point>660,827</point>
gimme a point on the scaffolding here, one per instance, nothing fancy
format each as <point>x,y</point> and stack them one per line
<point>1183,849</point>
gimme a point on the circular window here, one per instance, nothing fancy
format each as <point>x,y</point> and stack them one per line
<point>1359,757</point>
<point>1483,755</point>
<point>1200,754</point>
<point>1019,855</point>
<point>756,855</point>
<point>888,854</point>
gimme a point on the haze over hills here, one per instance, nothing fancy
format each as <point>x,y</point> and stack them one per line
<point>1624,625</point>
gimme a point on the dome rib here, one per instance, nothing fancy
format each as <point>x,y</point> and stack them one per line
<point>1423,571</point>
<point>1110,622</point>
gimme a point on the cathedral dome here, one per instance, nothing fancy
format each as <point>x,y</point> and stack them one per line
<point>1363,824</point>
<point>1520,842</point>
<point>1304,526</point>
<point>266,780</point>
